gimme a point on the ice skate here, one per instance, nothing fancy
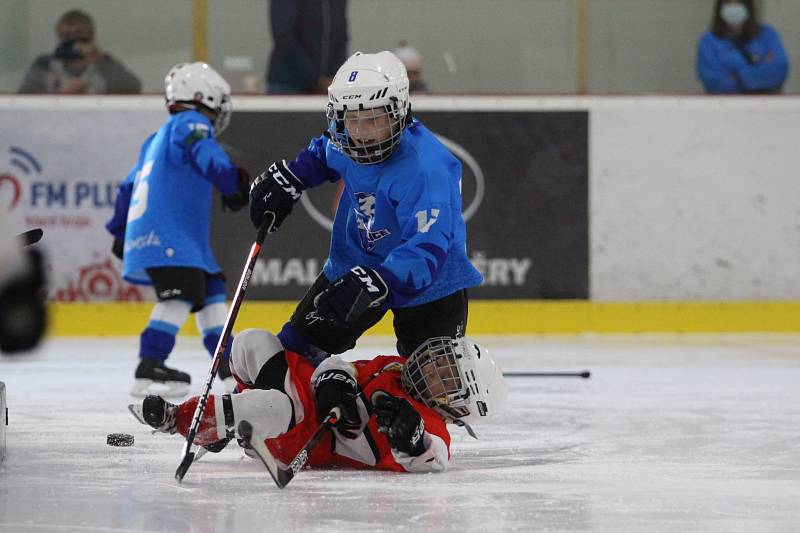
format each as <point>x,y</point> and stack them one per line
<point>152,377</point>
<point>161,415</point>
<point>156,412</point>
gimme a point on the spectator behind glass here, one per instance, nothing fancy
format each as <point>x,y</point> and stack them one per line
<point>413,62</point>
<point>77,65</point>
<point>739,55</point>
<point>309,43</point>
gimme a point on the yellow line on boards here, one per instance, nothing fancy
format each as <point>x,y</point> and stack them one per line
<point>486,317</point>
<point>582,47</point>
<point>200,30</point>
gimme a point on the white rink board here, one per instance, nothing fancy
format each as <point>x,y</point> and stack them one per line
<point>695,203</point>
<point>671,434</point>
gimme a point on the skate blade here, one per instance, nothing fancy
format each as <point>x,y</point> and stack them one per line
<point>138,414</point>
<point>167,389</point>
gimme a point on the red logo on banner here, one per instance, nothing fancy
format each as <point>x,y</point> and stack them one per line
<point>16,189</point>
<point>98,281</point>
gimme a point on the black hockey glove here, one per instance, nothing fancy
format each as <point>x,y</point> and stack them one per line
<point>118,248</point>
<point>401,424</point>
<point>274,191</point>
<point>22,311</point>
<point>351,295</point>
<point>337,388</point>
<point>239,199</point>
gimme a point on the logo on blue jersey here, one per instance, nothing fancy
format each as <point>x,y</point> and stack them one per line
<point>365,213</point>
<point>352,77</point>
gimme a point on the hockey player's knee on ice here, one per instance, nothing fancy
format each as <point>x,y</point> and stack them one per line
<point>257,359</point>
<point>268,411</point>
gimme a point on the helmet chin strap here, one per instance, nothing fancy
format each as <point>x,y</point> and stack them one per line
<point>185,105</point>
<point>466,426</point>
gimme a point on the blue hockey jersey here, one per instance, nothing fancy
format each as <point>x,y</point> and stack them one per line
<point>401,217</point>
<point>163,208</point>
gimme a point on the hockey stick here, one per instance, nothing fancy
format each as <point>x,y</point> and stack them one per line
<point>187,455</point>
<point>32,236</point>
<point>585,374</point>
<point>282,476</point>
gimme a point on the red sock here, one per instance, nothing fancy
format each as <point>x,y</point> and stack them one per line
<point>207,431</point>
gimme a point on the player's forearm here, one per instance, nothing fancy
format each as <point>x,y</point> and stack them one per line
<point>116,225</point>
<point>435,458</point>
<point>413,267</point>
<point>213,164</point>
<point>310,166</point>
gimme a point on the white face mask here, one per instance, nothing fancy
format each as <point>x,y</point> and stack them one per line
<point>734,14</point>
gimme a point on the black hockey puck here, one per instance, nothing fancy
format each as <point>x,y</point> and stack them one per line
<point>119,439</point>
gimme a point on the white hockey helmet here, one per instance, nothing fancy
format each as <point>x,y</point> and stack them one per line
<point>195,84</point>
<point>368,106</point>
<point>456,377</point>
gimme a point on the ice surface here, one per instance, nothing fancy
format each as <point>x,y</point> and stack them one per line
<point>670,434</point>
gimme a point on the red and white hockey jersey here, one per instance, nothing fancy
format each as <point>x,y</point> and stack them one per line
<point>371,448</point>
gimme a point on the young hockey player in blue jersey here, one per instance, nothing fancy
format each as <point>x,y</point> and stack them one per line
<point>398,239</point>
<point>162,218</point>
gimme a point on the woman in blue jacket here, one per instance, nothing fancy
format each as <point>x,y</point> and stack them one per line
<point>740,55</point>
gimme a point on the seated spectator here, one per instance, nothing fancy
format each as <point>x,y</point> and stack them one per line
<point>740,55</point>
<point>413,62</point>
<point>78,65</point>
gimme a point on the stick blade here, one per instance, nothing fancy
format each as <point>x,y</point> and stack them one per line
<point>32,236</point>
<point>279,475</point>
<point>186,462</point>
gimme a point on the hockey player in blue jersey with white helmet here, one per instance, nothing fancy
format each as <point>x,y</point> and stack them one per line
<point>162,216</point>
<point>398,239</point>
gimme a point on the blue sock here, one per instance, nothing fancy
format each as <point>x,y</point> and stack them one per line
<point>211,339</point>
<point>156,342</point>
<point>158,338</point>
<point>295,342</point>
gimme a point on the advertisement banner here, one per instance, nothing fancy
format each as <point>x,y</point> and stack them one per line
<point>525,199</point>
<point>59,170</point>
<point>525,187</point>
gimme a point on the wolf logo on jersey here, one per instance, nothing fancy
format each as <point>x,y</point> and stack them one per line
<point>365,215</point>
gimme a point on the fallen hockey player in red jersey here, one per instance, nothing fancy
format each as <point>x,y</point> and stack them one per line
<point>393,411</point>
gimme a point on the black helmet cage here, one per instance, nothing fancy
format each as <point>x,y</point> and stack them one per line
<point>449,392</point>
<point>370,153</point>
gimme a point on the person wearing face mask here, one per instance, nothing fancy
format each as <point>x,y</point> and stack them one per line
<point>739,54</point>
<point>78,65</point>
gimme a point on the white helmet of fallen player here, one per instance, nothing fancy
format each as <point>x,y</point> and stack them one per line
<point>197,84</point>
<point>456,377</point>
<point>368,106</point>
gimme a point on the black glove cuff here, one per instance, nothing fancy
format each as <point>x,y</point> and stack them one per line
<point>285,178</point>
<point>416,444</point>
<point>335,377</point>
